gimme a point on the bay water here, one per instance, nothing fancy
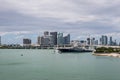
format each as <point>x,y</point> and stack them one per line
<point>39,64</point>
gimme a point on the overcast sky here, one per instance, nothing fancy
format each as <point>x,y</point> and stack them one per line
<point>30,18</point>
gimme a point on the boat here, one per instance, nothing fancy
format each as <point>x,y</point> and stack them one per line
<point>73,49</point>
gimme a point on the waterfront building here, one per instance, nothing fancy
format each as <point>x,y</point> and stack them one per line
<point>45,41</point>
<point>104,40</point>
<point>60,39</point>
<point>26,42</point>
<point>54,37</point>
<point>93,41</point>
<point>114,43</point>
<point>51,40</point>
<point>111,42</point>
<point>46,33</point>
<point>96,42</point>
<point>88,41</point>
<point>119,44</point>
<point>67,39</point>
<point>40,40</point>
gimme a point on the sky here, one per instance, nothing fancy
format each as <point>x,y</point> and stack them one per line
<point>30,18</point>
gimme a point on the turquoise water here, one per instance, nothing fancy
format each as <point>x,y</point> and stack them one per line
<point>47,65</point>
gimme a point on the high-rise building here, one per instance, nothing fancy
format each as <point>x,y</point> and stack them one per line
<point>93,41</point>
<point>54,36</point>
<point>88,41</point>
<point>110,42</point>
<point>26,42</point>
<point>60,39</point>
<point>67,39</point>
<point>51,40</point>
<point>46,33</point>
<point>96,42</point>
<point>114,43</point>
<point>45,41</point>
<point>40,40</point>
<point>104,40</point>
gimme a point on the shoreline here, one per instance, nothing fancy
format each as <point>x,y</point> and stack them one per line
<point>107,54</point>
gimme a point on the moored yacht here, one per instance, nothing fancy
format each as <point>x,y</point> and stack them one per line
<point>73,49</point>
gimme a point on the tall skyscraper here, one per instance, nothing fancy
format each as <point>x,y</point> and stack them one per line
<point>110,42</point>
<point>40,40</point>
<point>45,41</point>
<point>104,40</point>
<point>54,35</point>
<point>51,40</point>
<point>93,41</point>
<point>46,33</point>
<point>88,41</point>
<point>96,42</point>
<point>67,39</point>
<point>60,39</point>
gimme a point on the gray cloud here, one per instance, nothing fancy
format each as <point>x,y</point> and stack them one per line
<point>71,16</point>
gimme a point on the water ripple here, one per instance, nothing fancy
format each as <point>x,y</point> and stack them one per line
<point>15,63</point>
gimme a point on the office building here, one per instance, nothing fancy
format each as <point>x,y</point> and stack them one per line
<point>51,40</point>
<point>111,41</point>
<point>26,42</point>
<point>67,39</point>
<point>93,41</point>
<point>104,40</point>
<point>46,33</point>
<point>96,42</point>
<point>60,39</point>
<point>54,37</point>
<point>40,40</point>
<point>88,41</point>
<point>45,41</point>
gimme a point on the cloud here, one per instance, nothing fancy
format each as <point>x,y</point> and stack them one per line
<point>77,17</point>
<point>15,33</point>
<point>67,10</point>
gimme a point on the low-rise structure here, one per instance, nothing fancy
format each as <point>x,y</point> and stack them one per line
<point>27,42</point>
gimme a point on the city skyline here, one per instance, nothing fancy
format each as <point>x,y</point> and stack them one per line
<point>20,18</point>
<point>58,38</point>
